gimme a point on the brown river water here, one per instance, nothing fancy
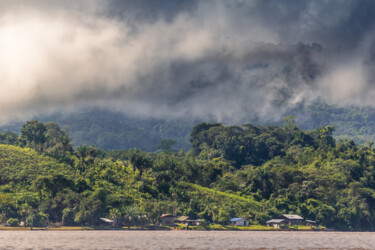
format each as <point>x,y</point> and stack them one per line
<point>184,240</point>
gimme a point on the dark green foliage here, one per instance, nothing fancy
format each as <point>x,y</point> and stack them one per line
<point>68,217</point>
<point>13,222</point>
<point>249,144</point>
<point>139,160</point>
<point>58,143</point>
<point>34,132</point>
<point>36,220</point>
<point>9,138</point>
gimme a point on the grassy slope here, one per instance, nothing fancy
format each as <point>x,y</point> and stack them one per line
<point>24,164</point>
<point>245,207</point>
<point>225,196</point>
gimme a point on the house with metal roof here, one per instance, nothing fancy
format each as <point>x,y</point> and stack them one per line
<point>277,223</point>
<point>167,220</point>
<point>311,223</point>
<point>292,219</point>
<point>182,219</point>
<point>185,220</point>
<point>238,222</point>
<point>110,222</point>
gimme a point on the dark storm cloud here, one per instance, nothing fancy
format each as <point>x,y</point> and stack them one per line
<point>148,10</point>
<point>223,60</point>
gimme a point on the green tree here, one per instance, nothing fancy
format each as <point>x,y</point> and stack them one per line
<point>9,138</point>
<point>140,161</point>
<point>289,122</point>
<point>58,142</point>
<point>68,217</point>
<point>65,144</point>
<point>34,132</point>
<point>130,214</point>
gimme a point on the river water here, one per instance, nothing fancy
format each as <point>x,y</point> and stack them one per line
<point>184,240</point>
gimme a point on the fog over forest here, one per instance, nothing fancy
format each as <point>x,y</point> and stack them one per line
<point>212,60</point>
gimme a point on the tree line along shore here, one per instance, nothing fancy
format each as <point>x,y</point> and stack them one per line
<point>254,172</point>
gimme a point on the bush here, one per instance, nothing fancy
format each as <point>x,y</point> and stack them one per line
<point>13,222</point>
<point>36,220</point>
<point>68,217</point>
<point>204,222</point>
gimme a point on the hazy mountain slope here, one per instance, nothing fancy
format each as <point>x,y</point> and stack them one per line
<point>350,122</point>
<point>112,130</point>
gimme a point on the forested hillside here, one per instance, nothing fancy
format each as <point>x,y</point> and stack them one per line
<point>112,130</point>
<point>351,122</point>
<point>231,171</point>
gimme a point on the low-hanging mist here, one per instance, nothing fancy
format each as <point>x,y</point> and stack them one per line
<point>224,61</point>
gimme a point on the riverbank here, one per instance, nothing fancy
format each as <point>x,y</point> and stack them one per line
<point>178,227</point>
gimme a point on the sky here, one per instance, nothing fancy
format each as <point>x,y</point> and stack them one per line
<point>232,60</point>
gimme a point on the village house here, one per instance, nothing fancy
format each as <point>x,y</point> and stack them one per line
<point>182,220</point>
<point>277,223</point>
<point>185,220</point>
<point>110,222</point>
<point>311,223</point>
<point>167,220</point>
<point>197,222</point>
<point>292,219</point>
<point>238,222</point>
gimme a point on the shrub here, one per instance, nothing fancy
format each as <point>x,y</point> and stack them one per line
<point>13,222</point>
<point>36,220</point>
<point>68,217</point>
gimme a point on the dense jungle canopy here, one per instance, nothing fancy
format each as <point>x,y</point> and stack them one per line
<point>257,172</point>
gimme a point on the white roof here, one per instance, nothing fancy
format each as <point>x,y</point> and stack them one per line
<point>275,221</point>
<point>107,220</point>
<point>293,217</point>
<point>236,219</point>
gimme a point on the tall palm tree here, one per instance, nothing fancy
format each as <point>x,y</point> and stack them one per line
<point>130,214</point>
<point>115,214</point>
<point>65,144</point>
